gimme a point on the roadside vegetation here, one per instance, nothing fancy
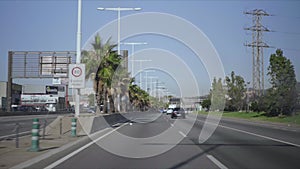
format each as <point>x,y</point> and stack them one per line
<point>113,86</point>
<point>279,103</point>
<point>261,116</point>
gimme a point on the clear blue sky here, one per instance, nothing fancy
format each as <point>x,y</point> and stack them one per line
<point>33,25</point>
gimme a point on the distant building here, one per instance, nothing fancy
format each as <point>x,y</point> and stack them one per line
<point>193,103</point>
<point>49,96</point>
<point>16,94</point>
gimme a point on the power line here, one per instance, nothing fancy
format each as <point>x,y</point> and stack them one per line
<point>289,33</point>
<point>286,16</point>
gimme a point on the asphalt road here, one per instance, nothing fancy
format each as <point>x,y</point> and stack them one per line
<point>156,141</point>
<point>8,124</point>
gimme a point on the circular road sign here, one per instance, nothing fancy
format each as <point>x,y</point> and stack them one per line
<point>76,71</point>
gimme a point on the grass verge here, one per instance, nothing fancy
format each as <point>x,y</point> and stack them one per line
<point>262,117</point>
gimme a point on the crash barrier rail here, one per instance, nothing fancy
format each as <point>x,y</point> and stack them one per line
<point>98,124</point>
<point>17,134</point>
<point>20,113</point>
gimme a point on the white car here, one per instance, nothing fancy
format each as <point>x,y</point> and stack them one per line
<point>169,111</point>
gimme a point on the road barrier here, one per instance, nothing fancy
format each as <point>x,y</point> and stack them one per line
<point>73,127</point>
<point>17,127</point>
<point>35,143</point>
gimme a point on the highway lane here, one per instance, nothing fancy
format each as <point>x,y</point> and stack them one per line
<point>234,144</point>
<point>8,124</point>
<point>185,154</point>
<point>240,144</point>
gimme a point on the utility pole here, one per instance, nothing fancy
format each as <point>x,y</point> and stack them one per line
<point>9,82</point>
<point>257,46</point>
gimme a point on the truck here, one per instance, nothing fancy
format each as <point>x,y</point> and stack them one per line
<point>174,103</point>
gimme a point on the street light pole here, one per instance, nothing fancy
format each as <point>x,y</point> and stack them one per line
<point>151,82</point>
<point>132,51</point>
<point>119,17</point>
<point>148,71</point>
<point>78,56</point>
<point>141,69</point>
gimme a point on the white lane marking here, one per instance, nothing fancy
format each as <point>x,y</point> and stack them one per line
<point>217,162</point>
<point>257,135</point>
<point>37,159</point>
<point>81,149</point>
<point>172,124</point>
<point>182,134</point>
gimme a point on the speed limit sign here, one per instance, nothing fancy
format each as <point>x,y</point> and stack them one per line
<point>76,76</point>
<point>77,71</point>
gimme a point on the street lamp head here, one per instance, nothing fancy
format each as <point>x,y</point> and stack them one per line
<point>119,9</point>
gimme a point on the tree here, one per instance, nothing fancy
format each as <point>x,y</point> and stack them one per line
<point>111,79</point>
<point>217,95</point>
<point>108,66</point>
<point>281,99</point>
<point>101,62</point>
<point>91,98</point>
<point>236,92</point>
<point>138,97</point>
<point>206,103</point>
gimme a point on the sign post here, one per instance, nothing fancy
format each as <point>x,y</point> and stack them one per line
<point>77,81</point>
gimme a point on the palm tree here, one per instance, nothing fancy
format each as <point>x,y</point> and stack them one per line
<point>107,68</point>
<point>100,65</point>
<point>103,66</point>
<point>138,97</point>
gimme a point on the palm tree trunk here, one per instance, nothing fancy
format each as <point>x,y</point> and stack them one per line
<point>112,104</point>
<point>105,105</point>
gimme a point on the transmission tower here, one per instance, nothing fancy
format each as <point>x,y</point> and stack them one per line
<point>257,46</point>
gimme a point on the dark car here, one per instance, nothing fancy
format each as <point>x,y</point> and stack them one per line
<point>178,113</point>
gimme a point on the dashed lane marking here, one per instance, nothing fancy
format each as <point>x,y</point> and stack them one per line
<point>181,133</point>
<point>217,162</point>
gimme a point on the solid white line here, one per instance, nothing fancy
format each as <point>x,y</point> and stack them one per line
<point>37,159</point>
<point>172,124</point>
<point>81,149</point>
<point>217,162</point>
<point>257,135</point>
<point>182,134</point>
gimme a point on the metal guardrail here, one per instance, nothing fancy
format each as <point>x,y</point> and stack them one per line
<point>20,113</point>
<point>19,134</point>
